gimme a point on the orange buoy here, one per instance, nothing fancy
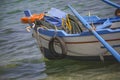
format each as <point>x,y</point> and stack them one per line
<point>32,18</point>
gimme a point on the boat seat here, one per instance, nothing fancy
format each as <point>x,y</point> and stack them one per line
<point>106,24</point>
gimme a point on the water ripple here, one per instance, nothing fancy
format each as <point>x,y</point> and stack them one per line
<point>20,58</point>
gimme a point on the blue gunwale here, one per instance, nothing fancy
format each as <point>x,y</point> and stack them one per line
<point>97,20</point>
<point>62,33</point>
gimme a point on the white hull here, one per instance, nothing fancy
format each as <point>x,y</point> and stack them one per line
<point>83,45</point>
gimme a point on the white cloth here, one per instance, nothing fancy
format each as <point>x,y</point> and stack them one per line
<point>56,13</point>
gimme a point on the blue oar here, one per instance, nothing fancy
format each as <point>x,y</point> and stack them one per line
<point>85,23</point>
<point>111,3</point>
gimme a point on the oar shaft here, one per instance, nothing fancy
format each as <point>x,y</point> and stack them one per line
<point>108,47</point>
<point>111,3</point>
<point>80,18</point>
<point>85,23</point>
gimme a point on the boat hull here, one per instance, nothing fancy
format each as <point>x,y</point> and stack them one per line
<point>79,46</point>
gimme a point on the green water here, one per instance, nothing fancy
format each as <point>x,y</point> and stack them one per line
<point>82,70</point>
<point>20,58</point>
<point>66,70</point>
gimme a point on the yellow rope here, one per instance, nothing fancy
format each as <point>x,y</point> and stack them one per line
<point>63,21</point>
<point>68,24</point>
<point>44,27</point>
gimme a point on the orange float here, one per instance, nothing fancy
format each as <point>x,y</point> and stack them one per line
<point>32,18</point>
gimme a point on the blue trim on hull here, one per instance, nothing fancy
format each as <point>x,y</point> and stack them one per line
<point>96,20</point>
<point>62,33</point>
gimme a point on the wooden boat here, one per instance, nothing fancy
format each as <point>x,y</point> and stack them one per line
<point>87,37</point>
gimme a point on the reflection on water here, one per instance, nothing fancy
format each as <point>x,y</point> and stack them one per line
<point>20,57</point>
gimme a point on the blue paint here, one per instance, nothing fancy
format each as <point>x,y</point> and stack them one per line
<point>115,46</point>
<point>106,24</point>
<point>111,3</point>
<point>52,32</point>
<point>28,14</point>
<point>91,19</point>
<point>106,45</point>
<point>62,33</point>
<point>97,20</point>
<point>53,20</point>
